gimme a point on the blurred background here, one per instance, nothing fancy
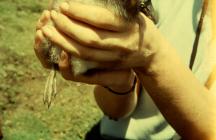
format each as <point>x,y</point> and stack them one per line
<point>22,80</point>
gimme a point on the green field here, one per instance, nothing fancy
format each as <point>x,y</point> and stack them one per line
<point>22,79</point>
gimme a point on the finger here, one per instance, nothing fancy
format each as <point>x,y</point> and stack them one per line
<point>93,15</point>
<point>66,70</point>
<point>44,19</point>
<point>41,49</point>
<point>102,77</point>
<point>96,38</point>
<point>78,50</point>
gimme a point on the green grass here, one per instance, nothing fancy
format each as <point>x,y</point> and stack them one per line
<point>22,80</point>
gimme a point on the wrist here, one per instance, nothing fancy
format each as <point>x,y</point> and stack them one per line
<point>165,61</point>
<point>122,90</point>
<point>162,53</point>
<point>114,105</point>
<point>153,46</point>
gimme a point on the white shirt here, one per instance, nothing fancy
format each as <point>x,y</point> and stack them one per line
<point>178,21</point>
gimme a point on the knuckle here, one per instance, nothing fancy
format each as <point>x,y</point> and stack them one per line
<point>92,41</point>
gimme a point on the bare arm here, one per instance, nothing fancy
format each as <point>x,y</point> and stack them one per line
<point>116,106</point>
<point>186,104</point>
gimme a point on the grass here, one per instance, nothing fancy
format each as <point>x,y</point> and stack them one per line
<point>22,80</point>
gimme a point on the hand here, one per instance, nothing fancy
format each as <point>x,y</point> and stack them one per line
<point>85,32</point>
<point>40,48</point>
<point>118,80</point>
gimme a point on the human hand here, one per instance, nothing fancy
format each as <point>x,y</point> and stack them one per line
<point>85,32</point>
<point>118,80</point>
<point>41,50</point>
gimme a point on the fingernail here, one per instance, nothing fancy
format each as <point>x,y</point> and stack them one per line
<point>64,6</point>
<point>46,13</point>
<point>53,14</point>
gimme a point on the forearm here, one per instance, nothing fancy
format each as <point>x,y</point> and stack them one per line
<point>183,100</point>
<point>113,105</point>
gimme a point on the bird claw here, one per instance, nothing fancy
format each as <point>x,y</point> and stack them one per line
<point>50,90</point>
